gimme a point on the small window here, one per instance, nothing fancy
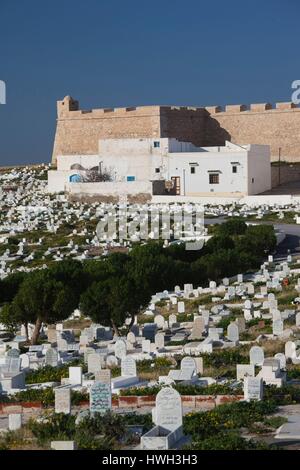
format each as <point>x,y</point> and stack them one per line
<point>214,178</point>
<point>252,180</point>
<point>157,170</point>
<point>156,144</point>
<point>130,178</point>
<point>234,169</point>
<point>193,170</point>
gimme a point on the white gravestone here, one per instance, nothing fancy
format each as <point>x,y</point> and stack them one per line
<point>181,307</point>
<point>189,366</point>
<point>120,349</point>
<point>168,410</point>
<point>75,375</point>
<point>233,332</point>
<point>257,356</point>
<point>51,357</point>
<point>253,388</point>
<point>62,400</point>
<point>159,341</point>
<point>160,321</point>
<point>94,363</point>
<point>128,367</point>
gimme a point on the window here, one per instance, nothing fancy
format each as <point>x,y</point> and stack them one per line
<point>214,178</point>
<point>193,170</point>
<point>130,178</point>
<point>157,170</point>
<point>252,180</point>
<point>234,169</point>
<point>156,144</point>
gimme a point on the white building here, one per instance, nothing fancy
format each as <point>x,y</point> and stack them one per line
<point>165,166</point>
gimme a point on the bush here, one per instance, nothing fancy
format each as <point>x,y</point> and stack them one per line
<point>230,417</point>
<point>57,426</point>
<point>227,441</point>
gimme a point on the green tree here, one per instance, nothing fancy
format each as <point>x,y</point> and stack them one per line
<point>40,299</point>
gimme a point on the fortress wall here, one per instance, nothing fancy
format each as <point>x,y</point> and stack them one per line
<point>185,124</point>
<point>78,131</point>
<point>261,124</point>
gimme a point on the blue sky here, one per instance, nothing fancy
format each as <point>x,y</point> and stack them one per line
<point>108,53</point>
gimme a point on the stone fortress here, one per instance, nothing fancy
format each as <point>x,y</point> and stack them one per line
<point>78,131</point>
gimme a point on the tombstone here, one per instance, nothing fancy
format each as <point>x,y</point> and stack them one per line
<point>59,326</point>
<point>160,321</point>
<point>63,445</point>
<point>177,289</point>
<point>277,327</point>
<point>198,328</point>
<point>62,345</point>
<point>94,363</point>
<point>25,361</point>
<point>103,376</point>
<point>233,332</point>
<point>131,338</point>
<point>172,320</point>
<point>13,353</point>
<point>100,397</point>
<point>250,289</point>
<point>62,400</point>
<point>75,375</point>
<point>52,335</point>
<point>257,356</point>
<point>240,278</point>
<point>298,319</point>
<point>212,285</point>
<point>146,346</point>
<point>188,365</point>
<point>282,360</point>
<point>168,409</point>
<point>111,361</point>
<point>128,367</point>
<point>181,307</point>
<point>14,421</point>
<point>83,339</point>
<point>231,291</point>
<point>199,364</point>
<point>276,315</point>
<point>225,281</point>
<point>290,350</point>
<point>12,365</point>
<point>159,340</point>
<point>253,388</point>
<point>51,357</point>
<point>120,349</point>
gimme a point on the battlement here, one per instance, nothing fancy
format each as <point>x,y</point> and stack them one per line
<point>254,108</point>
<point>69,108</point>
<point>79,131</point>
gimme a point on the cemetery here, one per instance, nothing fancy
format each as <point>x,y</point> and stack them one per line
<point>133,344</point>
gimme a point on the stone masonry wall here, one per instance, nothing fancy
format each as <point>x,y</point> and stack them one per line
<point>78,131</point>
<point>261,124</point>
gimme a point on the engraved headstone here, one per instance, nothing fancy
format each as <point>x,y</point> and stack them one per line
<point>257,356</point>
<point>100,397</point>
<point>128,367</point>
<point>62,400</point>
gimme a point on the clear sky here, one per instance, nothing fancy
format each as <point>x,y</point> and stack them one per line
<point>108,53</point>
